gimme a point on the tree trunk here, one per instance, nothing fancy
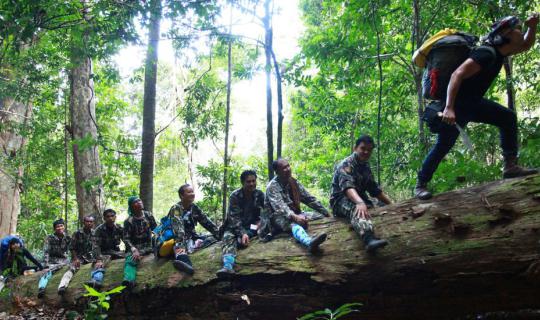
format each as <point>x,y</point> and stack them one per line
<point>416,40</point>
<point>268,70</point>
<point>146,191</point>
<point>14,115</point>
<point>463,253</point>
<point>86,163</point>
<point>280,105</point>
<point>227,118</point>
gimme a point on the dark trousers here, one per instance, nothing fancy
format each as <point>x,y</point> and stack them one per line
<point>472,110</point>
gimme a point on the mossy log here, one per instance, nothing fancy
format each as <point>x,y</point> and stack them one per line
<point>460,254</point>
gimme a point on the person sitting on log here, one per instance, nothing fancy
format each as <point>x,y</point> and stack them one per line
<point>184,217</point>
<point>283,197</point>
<point>465,102</point>
<point>352,179</point>
<point>137,238</point>
<point>83,251</point>
<point>243,220</point>
<point>108,236</point>
<point>13,258</point>
<point>55,254</point>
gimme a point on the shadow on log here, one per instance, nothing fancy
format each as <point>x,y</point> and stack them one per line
<point>463,253</point>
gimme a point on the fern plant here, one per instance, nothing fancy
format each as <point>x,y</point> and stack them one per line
<point>328,314</point>
<point>99,302</point>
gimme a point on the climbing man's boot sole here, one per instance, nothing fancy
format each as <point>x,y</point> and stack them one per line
<point>183,267</point>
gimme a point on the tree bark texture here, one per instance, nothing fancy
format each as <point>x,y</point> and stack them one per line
<point>268,70</point>
<point>510,96</point>
<point>146,189</point>
<point>462,253</point>
<point>14,115</point>
<point>280,105</point>
<point>86,163</point>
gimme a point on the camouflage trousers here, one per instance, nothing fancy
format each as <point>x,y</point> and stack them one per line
<point>344,208</point>
<point>231,243</point>
<point>282,223</point>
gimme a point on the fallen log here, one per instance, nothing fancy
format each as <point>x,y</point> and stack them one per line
<point>462,253</point>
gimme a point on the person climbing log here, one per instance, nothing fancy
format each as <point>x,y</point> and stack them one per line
<point>465,100</point>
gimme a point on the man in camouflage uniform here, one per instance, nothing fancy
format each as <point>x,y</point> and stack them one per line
<point>55,254</point>
<point>184,217</point>
<point>243,219</point>
<point>107,236</point>
<point>83,251</point>
<point>283,197</point>
<point>352,179</point>
<point>137,238</point>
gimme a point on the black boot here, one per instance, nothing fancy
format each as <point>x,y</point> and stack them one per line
<point>316,242</point>
<point>513,170</point>
<point>183,263</point>
<point>421,191</point>
<point>371,243</point>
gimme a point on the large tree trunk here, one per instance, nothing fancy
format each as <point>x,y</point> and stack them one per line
<point>14,116</point>
<point>227,124</point>
<point>268,70</point>
<point>280,105</point>
<point>146,190</point>
<point>464,252</point>
<point>86,163</point>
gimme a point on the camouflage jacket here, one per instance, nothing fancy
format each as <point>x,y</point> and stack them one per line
<point>353,173</point>
<point>243,212</point>
<point>278,199</point>
<point>184,222</point>
<point>83,246</point>
<point>108,239</point>
<point>138,231</point>
<point>55,249</point>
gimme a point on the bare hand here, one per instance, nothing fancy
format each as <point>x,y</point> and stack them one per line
<point>98,264</point>
<point>300,219</point>
<point>245,239</point>
<point>135,255</point>
<point>361,211</point>
<point>449,116</point>
<point>532,20</point>
<point>76,263</point>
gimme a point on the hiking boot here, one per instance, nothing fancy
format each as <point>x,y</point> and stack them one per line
<point>182,263</point>
<point>421,191</point>
<point>513,170</point>
<point>316,242</point>
<point>61,291</point>
<point>224,273</point>
<point>41,293</point>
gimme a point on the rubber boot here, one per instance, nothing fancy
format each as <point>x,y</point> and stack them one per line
<point>43,281</point>
<point>301,235</point>
<point>96,280</point>
<point>316,242</point>
<point>513,170</point>
<point>421,191</point>
<point>183,263</point>
<point>130,272</point>
<point>371,243</point>
<point>228,266</point>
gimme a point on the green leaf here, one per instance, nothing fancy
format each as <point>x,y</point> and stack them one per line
<point>91,292</point>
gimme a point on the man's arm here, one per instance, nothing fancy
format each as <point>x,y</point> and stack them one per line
<point>234,220</point>
<point>30,257</point>
<point>127,237</point>
<point>530,34</point>
<point>200,217</point>
<point>384,198</point>
<point>466,70</point>
<point>309,200</point>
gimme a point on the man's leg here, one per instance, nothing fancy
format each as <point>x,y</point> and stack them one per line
<point>66,279</point>
<point>181,259</point>
<point>363,227</point>
<point>489,112</point>
<point>130,271</point>
<point>229,249</point>
<point>445,141</point>
<point>98,272</point>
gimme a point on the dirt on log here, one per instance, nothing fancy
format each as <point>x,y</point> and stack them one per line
<point>460,254</point>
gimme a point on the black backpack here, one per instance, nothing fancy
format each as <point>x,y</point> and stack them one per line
<point>445,56</point>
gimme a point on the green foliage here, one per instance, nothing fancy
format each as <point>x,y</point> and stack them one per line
<point>330,315</point>
<point>98,305</point>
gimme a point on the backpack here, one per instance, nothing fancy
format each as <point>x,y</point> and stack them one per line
<point>441,55</point>
<point>164,231</point>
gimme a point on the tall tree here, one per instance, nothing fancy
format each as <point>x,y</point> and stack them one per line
<point>267,23</point>
<point>149,107</point>
<point>13,115</point>
<point>280,105</point>
<point>227,118</point>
